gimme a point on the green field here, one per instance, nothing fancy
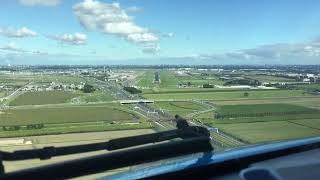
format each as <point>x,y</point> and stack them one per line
<point>96,97</point>
<point>168,79</point>
<point>64,114</point>
<point>267,131</point>
<point>181,108</point>
<point>271,79</point>
<point>70,119</point>
<point>146,79</point>
<point>15,80</point>
<point>226,95</point>
<point>66,79</point>
<point>2,94</point>
<point>199,80</point>
<point>261,108</point>
<point>262,112</point>
<point>254,123</point>
<point>43,97</point>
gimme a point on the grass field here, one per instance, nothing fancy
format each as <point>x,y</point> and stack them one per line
<point>66,114</point>
<point>15,80</point>
<point>226,95</point>
<point>146,79</point>
<point>268,131</point>
<point>43,97</point>
<point>273,79</point>
<point>70,119</point>
<point>262,112</point>
<point>261,108</point>
<point>68,79</point>
<point>65,140</point>
<point>2,94</point>
<point>181,108</point>
<point>96,97</point>
<point>168,79</point>
<point>255,123</point>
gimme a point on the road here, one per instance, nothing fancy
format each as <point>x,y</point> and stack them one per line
<point>160,118</point>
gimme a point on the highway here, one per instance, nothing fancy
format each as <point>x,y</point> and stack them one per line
<point>160,118</point>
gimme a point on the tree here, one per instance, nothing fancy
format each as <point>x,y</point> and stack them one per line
<point>87,88</point>
<point>132,90</point>
<point>246,94</point>
<point>207,86</point>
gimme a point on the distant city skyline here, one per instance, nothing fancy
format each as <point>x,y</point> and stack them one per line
<point>159,32</point>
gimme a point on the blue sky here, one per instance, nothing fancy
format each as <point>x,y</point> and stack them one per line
<point>177,31</point>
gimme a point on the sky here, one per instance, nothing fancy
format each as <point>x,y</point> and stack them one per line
<point>159,32</point>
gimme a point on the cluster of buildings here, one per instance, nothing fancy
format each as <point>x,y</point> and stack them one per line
<point>53,87</point>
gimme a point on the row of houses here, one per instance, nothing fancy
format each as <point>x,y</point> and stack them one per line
<point>53,86</point>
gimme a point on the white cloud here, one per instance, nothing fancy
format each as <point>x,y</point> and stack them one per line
<point>171,34</point>
<point>112,19</point>
<point>39,2</point>
<point>17,33</point>
<point>133,9</point>
<point>73,39</point>
<point>150,49</point>
<point>12,47</point>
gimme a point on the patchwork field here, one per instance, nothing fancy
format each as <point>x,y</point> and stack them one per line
<point>267,131</point>
<point>254,123</point>
<point>68,79</point>
<point>226,95</point>
<point>181,108</point>
<point>55,120</point>
<point>66,114</point>
<point>44,97</point>
<point>96,97</point>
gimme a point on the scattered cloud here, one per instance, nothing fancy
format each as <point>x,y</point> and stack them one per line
<point>17,33</point>
<point>133,9</point>
<point>112,19</point>
<point>72,39</point>
<point>12,47</point>
<point>40,2</point>
<point>151,49</point>
<point>171,34</point>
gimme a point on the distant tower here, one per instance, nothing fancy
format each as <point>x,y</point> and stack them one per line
<point>104,69</point>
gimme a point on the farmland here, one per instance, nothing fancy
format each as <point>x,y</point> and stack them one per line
<point>73,114</point>
<point>241,113</point>
<point>96,97</point>
<point>56,120</point>
<point>264,122</point>
<point>226,95</point>
<point>179,107</point>
<point>268,131</point>
<point>44,97</point>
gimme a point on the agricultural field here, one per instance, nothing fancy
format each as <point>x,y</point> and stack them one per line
<point>168,79</point>
<point>65,79</point>
<point>270,79</point>
<point>253,123</point>
<point>181,108</point>
<point>3,94</point>
<point>63,140</point>
<point>96,97</point>
<point>199,80</point>
<point>55,120</point>
<point>67,114</point>
<point>15,80</point>
<point>43,97</point>
<point>227,95</point>
<point>146,79</point>
<point>267,131</point>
